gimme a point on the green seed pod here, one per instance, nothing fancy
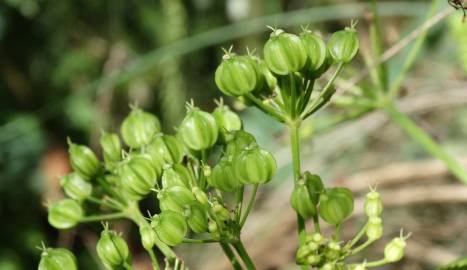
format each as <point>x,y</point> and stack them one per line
<point>316,51</point>
<point>170,227</point>
<point>236,75</point>
<point>148,237</point>
<point>75,186</point>
<point>227,121</point>
<point>166,147</point>
<point>302,254</point>
<point>328,266</point>
<point>313,260</point>
<point>241,139</point>
<point>175,198</point>
<point>313,246</point>
<point>139,127</point>
<point>374,229</point>
<point>176,175</point>
<point>57,259</point>
<point>112,249</point>
<point>138,177</point>
<point>336,205</point>
<point>361,266</point>
<point>65,214</point>
<point>111,147</point>
<point>255,166</point>
<point>394,250</point>
<point>284,53</point>
<point>332,251</point>
<point>220,211</point>
<point>314,185</point>
<point>316,238</point>
<point>343,45</point>
<point>83,160</point>
<point>373,205</point>
<point>200,195</point>
<point>198,130</point>
<point>301,201</point>
<point>223,176</point>
<point>196,217</point>
<point>214,230</point>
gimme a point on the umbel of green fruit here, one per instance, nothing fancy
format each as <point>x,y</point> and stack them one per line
<point>255,165</point>
<point>175,198</point>
<point>198,129</point>
<point>336,205</point>
<point>170,226</point>
<point>317,53</point>
<point>237,75</point>
<point>284,53</point>
<point>139,127</point>
<point>223,176</point>
<point>111,147</point>
<point>112,249</point>
<point>227,121</point>
<point>75,186</point>
<point>57,259</point>
<point>343,45</point>
<point>83,160</point>
<point>65,214</point>
<point>176,175</point>
<point>167,147</point>
<point>301,201</point>
<point>138,177</point>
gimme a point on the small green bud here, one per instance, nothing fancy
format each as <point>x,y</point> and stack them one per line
<point>284,53</point>
<point>170,226</point>
<point>175,198</point>
<point>374,229</point>
<point>316,51</point>
<point>227,121</point>
<point>75,186</point>
<point>214,230</point>
<point>111,147</point>
<point>139,127</point>
<point>166,147</point>
<point>241,139</point>
<point>176,175</point>
<point>148,237</point>
<point>316,238</point>
<point>302,253</point>
<point>255,166</point>
<point>301,201</point>
<point>196,217</point>
<point>394,250</point>
<point>57,259</point>
<point>223,176</point>
<point>332,251</point>
<point>237,75</point>
<point>328,266</point>
<point>112,249</point>
<point>83,160</point>
<point>200,195</point>
<point>343,45</point>
<point>313,260</point>
<point>206,170</point>
<point>138,177</point>
<point>313,246</point>
<point>65,214</point>
<point>198,129</point>
<point>336,205</point>
<point>373,205</point>
<point>220,211</point>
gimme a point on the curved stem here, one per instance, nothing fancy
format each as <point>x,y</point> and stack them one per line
<point>265,108</point>
<point>357,237</point>
<point>198,241</point>
<point>239,202</point>
<point>231,256</point>
<point>103,202</point>
<point>244,255</point>
<point>316,225</point>
<point>376,263</point>
<point>361,247</point>
<point>250,205</point>
<point>154,262</point>
<point>94,218</point>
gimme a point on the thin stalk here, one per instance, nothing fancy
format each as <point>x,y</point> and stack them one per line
<point>103,203</point>
<point>378,47</point>
<point>109,190</point>
<point>239,202</point>
<point>357,237</point>
<point>337,233</point>
<point>265,108</point>
<point>244,255</point>
<point>376,263</point>
<point>293,96</point>
<point>426,142</point>
<point>250,205</point>
<point>231,256</point>
<point>154,262</point>
<point>103,217</point>
<point>316,224</point>
<point>198,241</point>
<point>361,247</point>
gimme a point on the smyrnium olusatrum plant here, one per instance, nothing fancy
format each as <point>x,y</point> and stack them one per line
<point>199,175</point>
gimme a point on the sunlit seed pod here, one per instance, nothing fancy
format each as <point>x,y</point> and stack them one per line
<point>313,260</point>
<point>111,147</point>
<point>220,211</point>
<point>302,253</point>
<point>316,238</point>
<point>313,246</point>
<point>83,160</point>
<point>170,227</point>
<point>394,250</point>
<point>75,186</point>
<point>236,75</point>
<point>373,205</point>
<point>301,201</point>
<point>139,127</point>
<point>223,176</point>
<point>214,230</point>
<point>206,170</point>
<point>167,148</point>
<point>336,205</point>
<point>374,229</point>
<point>148,237</point>
<point>200,195</point>
<point>57,259</point>
<point>138,177</point>
<point>241,139</point>
<point>284,53</point>
<point>112,249</point>
<point>198,129</point>
<point>65,214</point>
<point>343,45</point>
<point>227,122</point>
<point>317,53</point>
<point>175,198</point>
<point>328,266</point>
<point>314,185</point>
<point>196,217</point>
<point>254,166</point>
<point>176,175</point>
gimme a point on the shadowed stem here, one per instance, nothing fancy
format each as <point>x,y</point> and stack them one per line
<point>231,256</point>
<point>244,255</point>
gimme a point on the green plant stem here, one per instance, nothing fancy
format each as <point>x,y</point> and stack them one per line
<point>103,203</point>
<point>337,233</point>
<point>94,218</point>
<point>239,201</point>
<point>316,225</point>
<point>154,262</point>
<point>109,190</point>
<point>376,263</point>
<point>231,256</point>
<point>293,96</point>
<point>244,255</point>
<point>426,142</point>
<point>198,241</point>
<point>357,237</point>
<point>251,201</point>
<point>378,48</point>
<point>265,108</point>
<point>361,247</point>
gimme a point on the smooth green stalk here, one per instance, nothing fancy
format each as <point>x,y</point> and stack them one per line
<point>265,108</point>
<point>426,142</point>
<point>293,97</point>
<point>244,255</point>
<point>357,237</point>
<point>376,263</point>
<point>95,218</point>
<point>198,241</point>
<point>249,206</point>
<point>154,262</point>
<point>337,233</point>
<point>378,48</point>
<point>231,256</point>
<point>103,203</point>
<point>239,201</point>
<point>316,225</point>
<point>361,247</point>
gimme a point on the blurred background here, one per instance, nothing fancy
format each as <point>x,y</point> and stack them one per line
<point>72,67</point>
